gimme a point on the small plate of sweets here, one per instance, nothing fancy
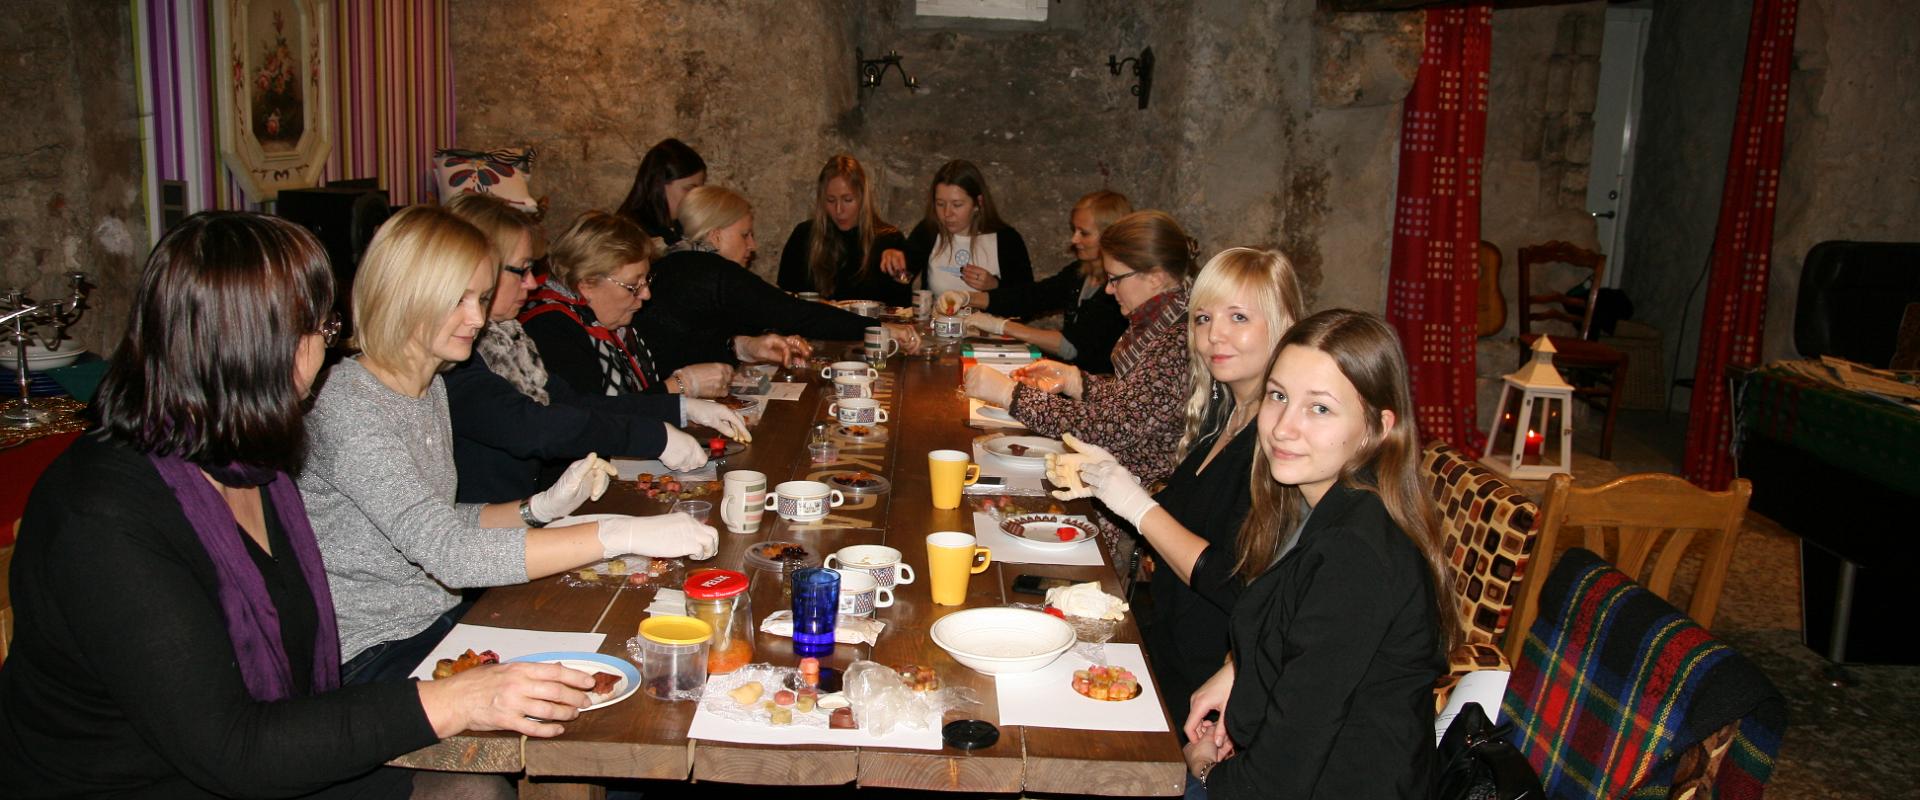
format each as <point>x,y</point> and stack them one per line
<point>614,679</point>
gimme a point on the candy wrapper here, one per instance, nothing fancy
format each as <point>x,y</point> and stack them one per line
<point>846,630</point>
<point>882,700</point>
<point>632,571</point>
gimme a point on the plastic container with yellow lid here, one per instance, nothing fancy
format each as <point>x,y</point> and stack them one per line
<point>674,662</point>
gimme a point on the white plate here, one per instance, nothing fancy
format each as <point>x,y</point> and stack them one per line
<point>591,663</point>
<point>1035,457</point>
<point>997,413</point>
<point>1046,535</point>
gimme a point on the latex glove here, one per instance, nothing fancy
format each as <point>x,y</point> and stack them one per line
<point>705,380</point>
<point>683,452</point>
<point>1064,469</point>
<point>664,536</point>
<point>979,278</point>
<point>1052,377</point>
<point>718,417</point>
<point>907,335</point>
<point>1115,486</point>
<point>989,385</point>
<point>987,323</point>
<point>951,301</point>
<point>584,480</point>
<point>771,348</point>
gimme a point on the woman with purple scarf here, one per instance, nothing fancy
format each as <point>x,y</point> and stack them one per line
<point>175,634</point>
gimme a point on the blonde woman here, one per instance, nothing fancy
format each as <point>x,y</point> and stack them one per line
<point>708,306</point>
<point>837,252</point>
<point>379,480</point>
<point>1093,320</point>
<point>1243,301</point>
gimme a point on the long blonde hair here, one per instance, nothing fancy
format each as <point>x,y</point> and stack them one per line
<point>823,247</point>
<point>1107,207</point>
<point>1266,278</point>
<point>415,269</point>
<point>1369,356</point>
<point>709,208</point>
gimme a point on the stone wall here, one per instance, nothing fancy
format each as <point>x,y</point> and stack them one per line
<point>70,159</point>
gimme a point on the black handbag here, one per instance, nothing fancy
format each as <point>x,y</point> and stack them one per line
<point>1477,762</point>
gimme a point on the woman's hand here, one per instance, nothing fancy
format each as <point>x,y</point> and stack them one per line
<point>769,348</point>
<point>502,697</point>
<point>1211,697</point>
<point>1202,754</point>
<point>682,452</point>
<point>979,278</point>
<point>989,385</point>
<point>951,302</point>
<point>718,417</point>
<point>1052,377</point>
<point>894,263</point>
<point>663,536</point>
<point>907,335</point>
<point>584,480</point>
<point>704,380</point>
<point>1122,493</point>
<point>798,351</point>
<point>986,323</point>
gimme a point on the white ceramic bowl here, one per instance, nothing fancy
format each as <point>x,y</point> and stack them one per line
<point>39,358</point>
<point>996,640</point>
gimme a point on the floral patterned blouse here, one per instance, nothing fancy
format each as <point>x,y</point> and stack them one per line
<point>1138,412</point>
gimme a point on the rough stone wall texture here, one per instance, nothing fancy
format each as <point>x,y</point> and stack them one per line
<point>70,159</point>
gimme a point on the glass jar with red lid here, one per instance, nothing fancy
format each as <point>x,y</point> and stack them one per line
<point>719,597</point>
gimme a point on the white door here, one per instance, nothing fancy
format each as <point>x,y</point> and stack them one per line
<point>1616,119</point>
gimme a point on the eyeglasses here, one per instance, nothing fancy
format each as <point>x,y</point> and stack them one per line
<point>330,330</point>
<point>519,271</point>
<point>1115,279</point>
<point>632,288</point>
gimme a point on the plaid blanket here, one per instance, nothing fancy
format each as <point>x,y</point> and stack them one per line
<point>1614,684</point>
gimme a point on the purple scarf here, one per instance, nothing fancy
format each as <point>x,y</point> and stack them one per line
<point>252,622</point>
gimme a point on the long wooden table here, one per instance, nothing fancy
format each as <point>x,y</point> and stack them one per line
<point>645,738</point>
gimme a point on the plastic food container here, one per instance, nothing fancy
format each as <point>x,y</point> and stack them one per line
<point>675,663</point>
<point>719,598</point>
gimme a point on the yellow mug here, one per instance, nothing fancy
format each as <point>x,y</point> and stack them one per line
<point>947,472</point>
<point>951,557</point>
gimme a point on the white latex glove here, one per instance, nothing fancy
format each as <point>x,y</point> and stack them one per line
<point>705,380</point>
<point>718,417</point>
<point>951,301</point>
<point>683,452</point>
<point>1052,377</point>
<point>664,536</point>
<point>1115,486</point>
<point>584,480</point>
<point>987,323</point>
<point>1064,469</point>
<point>989,385</point>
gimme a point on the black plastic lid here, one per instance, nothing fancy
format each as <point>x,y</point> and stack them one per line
<point>970,734</point>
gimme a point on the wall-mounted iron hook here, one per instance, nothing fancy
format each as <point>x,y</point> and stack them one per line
<point>869,71</point>
<point>1142,71</point>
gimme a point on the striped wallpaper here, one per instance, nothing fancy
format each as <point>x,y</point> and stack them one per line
<point>392,88</point>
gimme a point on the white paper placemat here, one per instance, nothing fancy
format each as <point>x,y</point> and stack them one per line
<point>1010,550</point>
<point>785,391</point>
<point>509,643</point>
<point>1045,697</point>
<point>713,727</point>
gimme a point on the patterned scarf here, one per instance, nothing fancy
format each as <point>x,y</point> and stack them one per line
<point>626,366</point>
<point>512,355</point>
<point>1165,310</point>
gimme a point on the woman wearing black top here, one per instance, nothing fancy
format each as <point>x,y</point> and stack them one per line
<point>1093,321</point>
<point>1244,300</point>
<point>219,674</point>
<point>667,173</point>
<point>837,253</point>
<point>1344,623</point>
<point>705,298</point>
<point>961,244</point>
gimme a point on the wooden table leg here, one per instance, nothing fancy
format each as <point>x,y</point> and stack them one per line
<point>555,790</point>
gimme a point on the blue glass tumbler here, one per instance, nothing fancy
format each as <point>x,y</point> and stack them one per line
<point>816,607</point>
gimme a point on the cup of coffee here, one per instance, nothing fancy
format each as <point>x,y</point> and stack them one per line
<point>922,303</point>
<point>952,556</point>
<point>948,472</point>
<point>860,594</point>
<point>949,327</point>
<point>878,560</point>
<point>839,368</point>
<point>804,501</point>
<point>857,411</point>
<point>880,343</point>
<point>847,386</point>
<point>743,500</point>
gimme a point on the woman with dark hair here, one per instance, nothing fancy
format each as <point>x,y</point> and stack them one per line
<point>208,663</point>
<point>1093,320</point>
<point>961,244</point>
<point>707,304</point>
<point>515,427</point>
<point>1135,413</point>
<point>667,173</point>
<point>1344,624</point>
<point>837,252</point>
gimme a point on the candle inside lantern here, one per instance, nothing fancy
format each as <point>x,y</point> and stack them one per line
<point>1534,441</point>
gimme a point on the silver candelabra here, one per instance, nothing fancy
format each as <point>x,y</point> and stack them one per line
<point>23,319</point>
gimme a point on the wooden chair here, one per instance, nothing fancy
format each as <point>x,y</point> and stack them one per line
<point>1654,519</point>
<point>1595,370</point>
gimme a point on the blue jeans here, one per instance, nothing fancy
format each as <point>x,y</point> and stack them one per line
<point>395,660</point>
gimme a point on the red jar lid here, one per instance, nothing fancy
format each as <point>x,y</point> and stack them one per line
<point>714,584</point>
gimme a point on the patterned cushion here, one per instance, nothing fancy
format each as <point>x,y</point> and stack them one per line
<point>502,173</point>
<point>1490,534</point>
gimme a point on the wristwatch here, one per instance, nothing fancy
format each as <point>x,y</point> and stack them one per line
<point>526,515</point>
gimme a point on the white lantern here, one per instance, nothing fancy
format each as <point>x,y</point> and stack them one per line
<point>1532,433</point>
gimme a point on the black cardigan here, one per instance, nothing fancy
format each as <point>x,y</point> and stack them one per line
<point>702,300</point>
<point>853,278</point>
<point>1016,266</point>
<point>506,446</point>
<point>1093,325</point>
<point>1335,651</point>
<point>1188,638</point>
<point>122,678</point>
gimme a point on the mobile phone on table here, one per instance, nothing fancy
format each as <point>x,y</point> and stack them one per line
<point>1038,584</point>
<point>990,480</point>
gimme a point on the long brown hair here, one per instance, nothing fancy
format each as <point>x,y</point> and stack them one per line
<point>1369,356</point>
<point>962,173</point>
<point>823,247</point>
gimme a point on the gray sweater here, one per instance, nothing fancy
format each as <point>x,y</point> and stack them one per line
<point>379,485</point>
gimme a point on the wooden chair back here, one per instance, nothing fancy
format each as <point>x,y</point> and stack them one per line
<point>1644,525</point>
<point>1553,305</point>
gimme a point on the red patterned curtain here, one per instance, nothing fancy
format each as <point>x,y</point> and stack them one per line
<point>1742,242</point>
<point>1436,226</point>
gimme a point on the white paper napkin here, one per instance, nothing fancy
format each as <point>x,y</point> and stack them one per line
<point>1044,698</point>
<point>785,391</point>
<point>668,602</point>
<point>1008,549</point>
